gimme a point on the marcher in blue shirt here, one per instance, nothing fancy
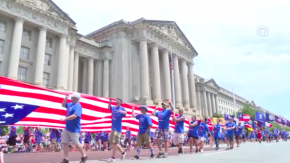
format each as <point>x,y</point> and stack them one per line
<point>26,137</point>
<point>118,112</point>
<point>161,133</point>
<point>178,135</point>
<point>193,134</point>
<point>239,129</point>
<point>87,141</point>
<point>12,137</point>
<point>143,136</point>
<point>217,134</point>
<point>127,139</point>
<point>98,141</point>
<point>72,126</point>
<point>230,126</point>
<point>202,133</point>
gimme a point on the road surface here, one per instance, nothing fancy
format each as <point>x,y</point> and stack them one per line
<point>247,153</point>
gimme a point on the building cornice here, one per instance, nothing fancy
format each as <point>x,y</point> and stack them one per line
<point>34,15</point>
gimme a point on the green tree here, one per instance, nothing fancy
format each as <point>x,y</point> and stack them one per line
<point>4,129</point>
<point>217,115</point>
<point>19,130</point>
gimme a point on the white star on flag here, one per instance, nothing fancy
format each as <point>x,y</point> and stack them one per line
<point>2,109</point>
<point>17,106</point>
<point>7,115</point>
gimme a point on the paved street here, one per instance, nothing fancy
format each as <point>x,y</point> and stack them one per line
<point>247,153</point>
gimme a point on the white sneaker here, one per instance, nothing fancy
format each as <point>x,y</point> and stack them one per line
<point>201,151</point>
<point>111,160</point>
<point>123,156</point>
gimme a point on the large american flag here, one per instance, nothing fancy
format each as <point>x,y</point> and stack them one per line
<point>22,104</point>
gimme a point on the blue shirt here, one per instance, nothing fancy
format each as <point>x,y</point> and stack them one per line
<point>87,137</point>
<point>117,118</point>
<point>38,136</point>
<point>144,123</point>
<point>193,131</point>
<point>25,131</point>
<point>53,134</point>
<point>239,130</point>
<point>12,131</point>
<point>230,131</point>
<point>97,136</point>
<point>128,134</point>
<point>163,118</point>
<point>179,126</point>
<point>75,124</point>
<point>216,131</point>
<point>202,130</point>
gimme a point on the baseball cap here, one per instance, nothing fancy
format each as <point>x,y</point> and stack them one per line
<point>119,99</point>
<point>143,107</point>
<point>76,95</point>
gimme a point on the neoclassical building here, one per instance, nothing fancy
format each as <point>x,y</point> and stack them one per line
<point>39,44</point>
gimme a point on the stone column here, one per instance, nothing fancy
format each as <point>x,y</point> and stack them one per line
<point>191,81</point>
<point>15,49</point>
<point>85,76</point>
<point>177,88</point>
<point>184,78</point>
<point>199,103</point>
<point>90,90</point>
<point>39,64</point>
<point>205,111</point>
<point>156,74</point>
<point>62,69</point>
<point>99,78</point>
<point>216,103</point>
<point>166,72</point>
<point>71,69</point>
<point>76,73</point>
<point>209,104</point>
<point>144,71</point>
<point>106,78</point>
<point>213,103</point>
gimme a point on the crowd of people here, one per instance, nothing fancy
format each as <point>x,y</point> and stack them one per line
<point>71,139</point>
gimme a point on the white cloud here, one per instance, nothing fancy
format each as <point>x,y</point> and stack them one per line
<point>223,33</point>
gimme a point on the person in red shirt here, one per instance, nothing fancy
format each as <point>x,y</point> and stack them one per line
<point>259,134</point>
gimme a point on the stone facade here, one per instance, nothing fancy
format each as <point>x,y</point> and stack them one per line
<point>39,44</point>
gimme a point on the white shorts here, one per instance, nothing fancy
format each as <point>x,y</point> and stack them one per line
<point>178,138</point>
<point>201,138</point>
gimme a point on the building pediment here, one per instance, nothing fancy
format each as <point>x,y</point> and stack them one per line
<point>212,83</point>
<point>171,30</point>
<point>49,8</point>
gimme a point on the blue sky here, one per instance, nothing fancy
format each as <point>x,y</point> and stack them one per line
<point>223,33</point>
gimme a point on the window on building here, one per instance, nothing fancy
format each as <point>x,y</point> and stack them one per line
<point>2,26</point>
<point>46,79</point>
<point>22,74</point>
<point>49,42</point>
<point>24,53</point>
<point>1,46</point>
<point>26,35</point>
<point>47,60</point>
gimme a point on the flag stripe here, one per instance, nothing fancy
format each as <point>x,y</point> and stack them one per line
<point>95,114</point>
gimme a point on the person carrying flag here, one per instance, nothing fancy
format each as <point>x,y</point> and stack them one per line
<point>72,126</point>
<point>118,112</point>
<point>143,137</point>
<point>202,133</point>
<point>230,126</point>
<point>162,130</point>
<point>217,134</point>
<point>193,134</point>
<point>178,136</point>
<point>239,129</point>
